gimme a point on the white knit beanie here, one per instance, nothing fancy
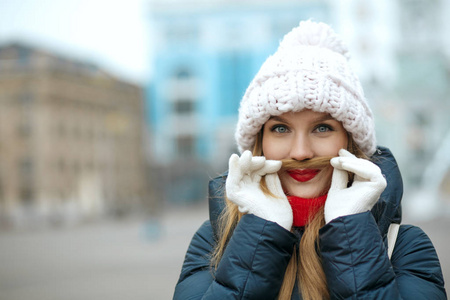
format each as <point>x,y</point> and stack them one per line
<point>310,70</point>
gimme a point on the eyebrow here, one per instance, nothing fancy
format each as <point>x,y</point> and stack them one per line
<point>277,118</point>
<point>324,118</point>
<point>314,120</point>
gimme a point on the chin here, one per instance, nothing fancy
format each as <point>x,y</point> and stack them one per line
<point>319,186</point>
<point>306,192</point>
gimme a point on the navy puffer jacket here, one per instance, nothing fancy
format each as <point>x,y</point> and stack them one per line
<point>353,250</point>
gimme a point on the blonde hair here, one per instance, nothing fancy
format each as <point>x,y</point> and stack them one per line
<point>308,269</point>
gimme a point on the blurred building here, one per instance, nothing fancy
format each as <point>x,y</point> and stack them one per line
<point>403,58</point>
<point>71,142</point>
<point>413,112</point>
<point>423,82</point>
<point>423,89</point>
<point>205,55</point>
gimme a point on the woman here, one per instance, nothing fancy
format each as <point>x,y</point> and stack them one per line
<point>308,211</point>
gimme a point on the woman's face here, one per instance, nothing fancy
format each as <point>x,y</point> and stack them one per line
<point>301,136</point>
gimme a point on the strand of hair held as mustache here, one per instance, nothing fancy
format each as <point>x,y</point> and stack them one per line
<point>292,164</point>
<point>313,163</point>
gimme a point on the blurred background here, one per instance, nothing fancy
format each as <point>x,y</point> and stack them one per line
<point>114,115</point>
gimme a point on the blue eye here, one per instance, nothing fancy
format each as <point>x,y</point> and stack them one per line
<point>323,128</point>
<point>279,129</point>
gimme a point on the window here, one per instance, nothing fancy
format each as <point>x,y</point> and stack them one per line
<point>183,74</point>
<point>61,165</point>
<point>185,146</point>
<point>176,33</point>
<point>26,180</point>
<point>26,195</point>
<point>24,55</point>
<point>183,106</point>
<point>24,128</point>
<point>26,115</point>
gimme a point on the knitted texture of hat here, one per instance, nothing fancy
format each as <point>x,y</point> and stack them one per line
<point>310,70</point>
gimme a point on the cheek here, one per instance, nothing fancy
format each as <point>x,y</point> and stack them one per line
<point>342,142</point>
<point>267,149</point>
<point>273,150</point>
<point>332,146</point>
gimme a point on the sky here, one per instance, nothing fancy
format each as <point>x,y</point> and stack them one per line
<point>113,34</point>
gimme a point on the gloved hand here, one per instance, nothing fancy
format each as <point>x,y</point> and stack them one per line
<point>243,188</point>
<point>362,195</point>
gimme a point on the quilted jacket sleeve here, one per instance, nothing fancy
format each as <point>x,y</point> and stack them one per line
<point>357,266</point>
<point>252,266</point>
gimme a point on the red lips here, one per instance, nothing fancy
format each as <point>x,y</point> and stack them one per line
<point>303,175</point>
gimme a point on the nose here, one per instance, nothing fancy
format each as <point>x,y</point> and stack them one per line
<point>301,149</point>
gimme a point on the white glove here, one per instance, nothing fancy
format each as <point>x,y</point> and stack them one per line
<point>243,188</point>
<point>362,195</point>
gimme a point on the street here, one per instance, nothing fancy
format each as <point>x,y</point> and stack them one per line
<point>117,260</point>
<point>104,260</point>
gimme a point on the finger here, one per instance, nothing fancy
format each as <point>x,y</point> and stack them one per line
<point>270,166</point>
<point>257,163</point>
<point>254,170</point>
<point>233,164</point>
<point>339,180</point>
<point>362,168</point>
<point>234,172</point>
<point>245,162</point>
<point>336,162</point>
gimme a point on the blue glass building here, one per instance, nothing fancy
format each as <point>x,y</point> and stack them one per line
<point>205,55</point>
